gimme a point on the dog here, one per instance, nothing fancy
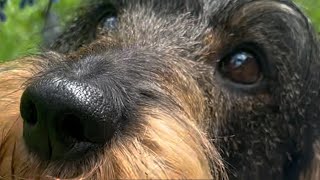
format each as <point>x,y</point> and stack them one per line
<point>184,89</point>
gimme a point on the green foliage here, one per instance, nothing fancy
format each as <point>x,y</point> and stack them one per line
<point>312,8</point>
<point>18,35</point>
<point>21,34</point>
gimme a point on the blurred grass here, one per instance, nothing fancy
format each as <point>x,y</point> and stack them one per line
<point>21,33</point>
<point>311,8</point>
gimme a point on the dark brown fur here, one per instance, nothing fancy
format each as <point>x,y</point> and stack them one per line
<point>184,119</point>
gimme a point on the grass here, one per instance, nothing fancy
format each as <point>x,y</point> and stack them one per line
<point>21,33</point>
<point>311,7</point>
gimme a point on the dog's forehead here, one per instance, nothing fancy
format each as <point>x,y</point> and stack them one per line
<point>177,6</point>
<point>216,8</point>
<point>163,4</point>
<point>190,5</point>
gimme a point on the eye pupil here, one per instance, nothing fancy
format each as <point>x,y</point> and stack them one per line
<point>241,67</point>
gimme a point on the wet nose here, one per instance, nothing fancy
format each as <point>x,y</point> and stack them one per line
<point>65,118</point>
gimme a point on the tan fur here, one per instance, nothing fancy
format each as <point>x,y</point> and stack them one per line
<point>12,77</point>
<point>313,173</point>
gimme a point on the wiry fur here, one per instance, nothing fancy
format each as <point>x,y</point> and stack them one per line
<point>161,66</point>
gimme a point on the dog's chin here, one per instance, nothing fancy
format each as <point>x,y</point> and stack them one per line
<point>74,153</point>
<point>76,163</point>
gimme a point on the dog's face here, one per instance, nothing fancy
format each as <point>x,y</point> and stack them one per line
<point>150,89</point>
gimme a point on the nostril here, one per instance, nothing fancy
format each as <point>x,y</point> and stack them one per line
<point>72,127</point>
<point>29,112</point>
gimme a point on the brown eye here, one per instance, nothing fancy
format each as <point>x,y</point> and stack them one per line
<point>241,67</point>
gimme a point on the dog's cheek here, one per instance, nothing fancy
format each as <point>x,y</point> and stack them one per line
<point>12,77</point>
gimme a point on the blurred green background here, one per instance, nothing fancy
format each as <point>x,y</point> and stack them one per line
<point>21,33</point>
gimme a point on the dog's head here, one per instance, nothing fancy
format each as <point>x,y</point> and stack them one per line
<point>150,89</point>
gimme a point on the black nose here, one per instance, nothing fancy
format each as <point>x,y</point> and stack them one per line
<point>65,118</point>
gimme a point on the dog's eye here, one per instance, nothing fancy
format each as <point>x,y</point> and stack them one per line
<point>241,67</point>
<point>110,23</point>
